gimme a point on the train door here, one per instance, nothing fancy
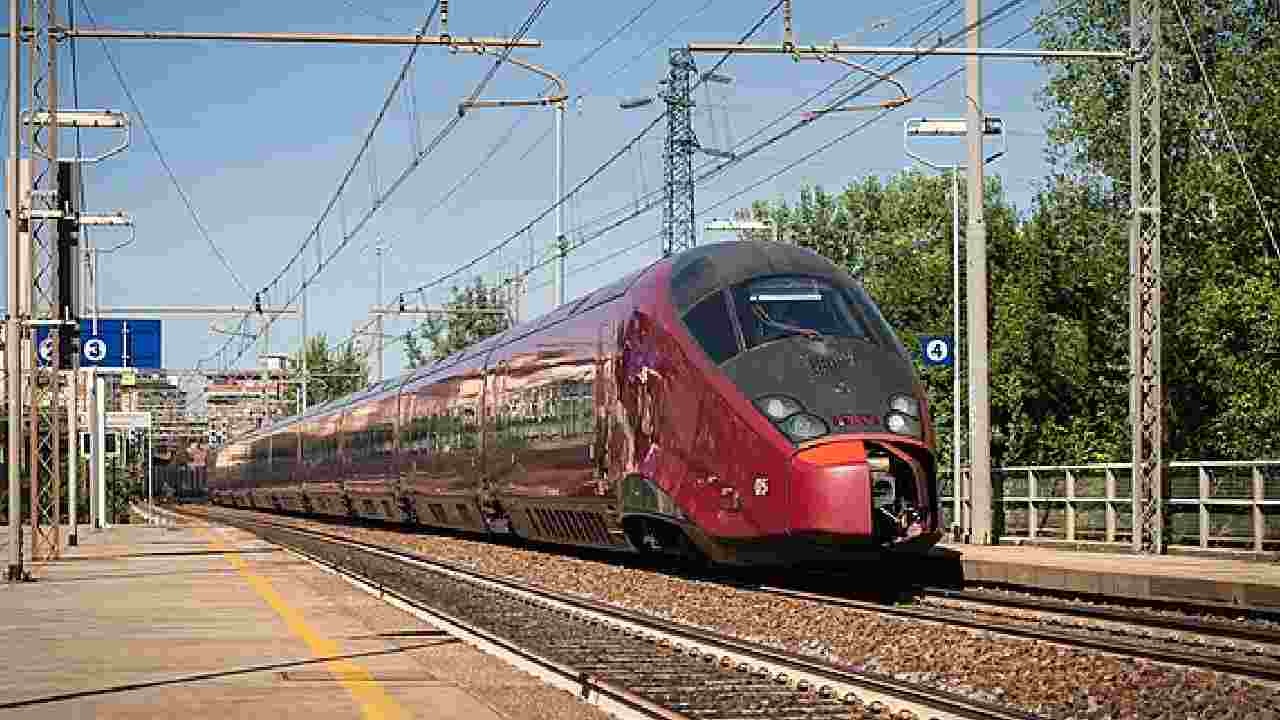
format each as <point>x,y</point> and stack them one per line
<point>604,400</point>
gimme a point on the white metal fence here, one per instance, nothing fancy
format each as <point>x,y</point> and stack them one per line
<point>1208,504</point>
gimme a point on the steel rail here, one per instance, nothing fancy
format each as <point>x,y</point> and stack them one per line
<point>788,670</point>
<point>1191,625</point>
<point>1183,656</point>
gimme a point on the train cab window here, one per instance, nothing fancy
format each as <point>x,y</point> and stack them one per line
<point>710,325</point>
<point>777,307</point>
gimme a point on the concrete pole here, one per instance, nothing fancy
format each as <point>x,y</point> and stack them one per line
<point>13,360</point>
<point>73,455</point>
<point>99,453</point>
<point>957,510</point>
<point>91,403</point>
<point>302,363</point>
<point>979,393</point>
<point>562,249</point>
<point>151,504</point>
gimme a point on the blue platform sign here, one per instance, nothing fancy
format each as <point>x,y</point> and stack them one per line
<point>937,349</point>
<point>118,343</point>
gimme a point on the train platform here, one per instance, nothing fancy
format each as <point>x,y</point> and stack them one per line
<point>199,621</point>
<point>1170,578</point>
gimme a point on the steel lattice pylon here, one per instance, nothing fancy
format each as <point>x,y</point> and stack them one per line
<point>45,454</point>
<point>678,232</point>
<point>1146,388</point>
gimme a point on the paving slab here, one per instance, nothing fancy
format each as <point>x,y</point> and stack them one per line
<point>199,622</point>
<point>1238,583</point>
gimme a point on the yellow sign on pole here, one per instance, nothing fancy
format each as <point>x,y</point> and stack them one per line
<point>128,378</point>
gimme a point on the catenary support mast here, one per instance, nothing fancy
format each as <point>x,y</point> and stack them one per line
<point>1146,400</point>
<point>45,458</point>
<point>13,319</point>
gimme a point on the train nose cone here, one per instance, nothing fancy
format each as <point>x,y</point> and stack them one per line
<point>831,490</point>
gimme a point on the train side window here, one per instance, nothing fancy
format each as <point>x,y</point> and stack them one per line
<point>710,325</point>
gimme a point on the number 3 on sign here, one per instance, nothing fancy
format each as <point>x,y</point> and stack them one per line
<point>95,350</point>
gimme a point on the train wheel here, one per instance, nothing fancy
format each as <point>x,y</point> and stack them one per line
<point>658,539</point>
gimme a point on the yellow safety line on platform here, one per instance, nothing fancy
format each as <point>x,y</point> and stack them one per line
<point>375,703</point>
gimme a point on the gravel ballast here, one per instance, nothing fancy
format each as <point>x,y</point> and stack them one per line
<point>1037,676</point>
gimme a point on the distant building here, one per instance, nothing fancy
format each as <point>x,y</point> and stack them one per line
<point>240,401</point>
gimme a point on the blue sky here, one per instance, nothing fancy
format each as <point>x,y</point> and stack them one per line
<point>260,135</point>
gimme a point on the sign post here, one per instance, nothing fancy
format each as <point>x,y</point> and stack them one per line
<point>940,350</point>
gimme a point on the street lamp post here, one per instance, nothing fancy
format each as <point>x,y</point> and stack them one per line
<point>556,101</point>
<point>923,127</point>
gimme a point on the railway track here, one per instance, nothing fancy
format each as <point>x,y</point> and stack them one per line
<point>1196,623</point>
<point>1123,633</point>
<point>645,666</point>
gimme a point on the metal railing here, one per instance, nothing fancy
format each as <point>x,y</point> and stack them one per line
<point>1208,504</point>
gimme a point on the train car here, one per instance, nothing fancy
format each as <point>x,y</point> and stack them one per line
<point>743,402</point>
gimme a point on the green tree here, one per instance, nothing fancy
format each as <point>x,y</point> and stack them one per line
<point>1221,277</point>
<point>333,371</point>
<point>1059,363</point>
<point>472,314</point>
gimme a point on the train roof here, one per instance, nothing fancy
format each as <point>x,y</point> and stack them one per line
<point>701,271</point>
<point>569,309</point>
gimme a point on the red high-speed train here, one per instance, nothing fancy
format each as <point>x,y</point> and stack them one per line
<point>743,402</point>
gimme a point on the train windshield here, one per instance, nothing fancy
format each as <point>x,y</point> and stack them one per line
<point>783,306</point>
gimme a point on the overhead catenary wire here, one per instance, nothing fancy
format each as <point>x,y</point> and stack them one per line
<point>507,136</point>
<point>1222,118</point>
<point>547,133</point>
<point>439,138</point>
<point>574,192</point>
<point>590,177</point>
<point>649,196</point>
<point>789,166</point>
<point>702,174</point>
<point>155,146</point>
<point>803,103</point>
<point>360,153</point>
<point>339,195</point>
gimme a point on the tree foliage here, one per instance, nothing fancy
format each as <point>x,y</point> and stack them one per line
<point>332,371</point>
<point>1221,276</point>
<point>1059,273</point>
<point>473,313</point>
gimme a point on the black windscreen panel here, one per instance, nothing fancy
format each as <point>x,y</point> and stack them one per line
<point>710,325</point>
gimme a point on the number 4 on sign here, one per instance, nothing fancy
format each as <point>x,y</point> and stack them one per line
<point>936,349</point>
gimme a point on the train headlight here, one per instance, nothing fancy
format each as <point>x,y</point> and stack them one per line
<point>778,407</point>
<point>906,405</point>
<point>902,424</point>
<point>803,426</point>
